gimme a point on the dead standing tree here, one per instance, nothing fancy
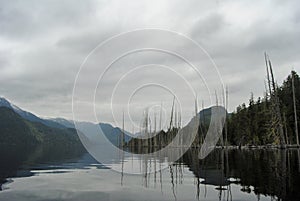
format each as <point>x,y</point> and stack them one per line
<point>295,110</point>
<point>276,122</point>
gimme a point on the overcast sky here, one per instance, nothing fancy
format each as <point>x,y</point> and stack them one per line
<point>43,43</point>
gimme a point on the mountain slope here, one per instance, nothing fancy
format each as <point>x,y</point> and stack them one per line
<point>113,134</point>
<point>64,122</point>
<point>27,115</point>
<point>205,114</point>
<point>15,130</point>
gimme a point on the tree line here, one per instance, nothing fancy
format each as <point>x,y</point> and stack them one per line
<point>269,119</point>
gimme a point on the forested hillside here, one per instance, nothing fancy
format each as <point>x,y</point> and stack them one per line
<point>254,123</point>
<point>17,131</point>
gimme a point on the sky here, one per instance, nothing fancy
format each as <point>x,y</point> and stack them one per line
<point>44,43</point>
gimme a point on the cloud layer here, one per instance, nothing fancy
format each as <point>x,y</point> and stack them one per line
<point>44,43</point>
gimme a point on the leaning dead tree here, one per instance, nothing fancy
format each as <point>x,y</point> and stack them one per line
<point>276,122</point>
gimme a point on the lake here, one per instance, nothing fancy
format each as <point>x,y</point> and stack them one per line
<point>44,174</point>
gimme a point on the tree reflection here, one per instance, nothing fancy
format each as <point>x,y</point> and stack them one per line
<point>262,171</point>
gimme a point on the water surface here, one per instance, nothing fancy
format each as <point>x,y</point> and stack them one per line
<point>224,175</point>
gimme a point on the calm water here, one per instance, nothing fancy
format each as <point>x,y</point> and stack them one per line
<point>43,174</point>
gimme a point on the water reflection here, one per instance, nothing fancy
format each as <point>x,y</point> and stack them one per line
<point>274,173</point>
<point>224,175</point>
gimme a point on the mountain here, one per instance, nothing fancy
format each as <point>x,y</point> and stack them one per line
<point>17,131</point>
<point>113,134</point>
<point>64,122</point>
<point>27,115</point>
<point>23,142</point>
<point>14,130</point>
<point>205,114</point>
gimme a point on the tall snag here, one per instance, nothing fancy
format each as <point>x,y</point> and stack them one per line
<point>295,110</point>
<point>172,111</point>
<point>226,108</point>
<point>275,104</point>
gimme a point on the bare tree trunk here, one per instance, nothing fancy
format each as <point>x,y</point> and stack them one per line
<point>226,108</point>
<point>149,134</point>
<point>217,104</point>
<point>217,100</point>
<point>155,137</point>
<point>171,121</point>
<point>160,125</point>
<point>285,129</point>
<point>295,110</point>
<point>196,106</point>
<point>146,127</point>
<point>276,104</point>
<point>175,119</point>
<point>122,133</point>
<point>134,141</point>
<point>204,128</point>
<point>268,74</point>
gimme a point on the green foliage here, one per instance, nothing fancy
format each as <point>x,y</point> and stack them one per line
<point>253,124</point>
<point>286,97</point>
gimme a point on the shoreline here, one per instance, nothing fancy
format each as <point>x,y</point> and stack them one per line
<point>294,146</point>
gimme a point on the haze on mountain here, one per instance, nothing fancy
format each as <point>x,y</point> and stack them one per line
<point>56,124</point>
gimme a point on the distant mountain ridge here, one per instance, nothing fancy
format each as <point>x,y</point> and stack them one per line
<point>112,133</point>
<point>17,131</point>
<point>28,115</point>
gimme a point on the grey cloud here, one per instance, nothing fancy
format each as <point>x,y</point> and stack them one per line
<point>44,43</point>
<point>207,26</point>
<point>85,41</point>
<point>27,19</point>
